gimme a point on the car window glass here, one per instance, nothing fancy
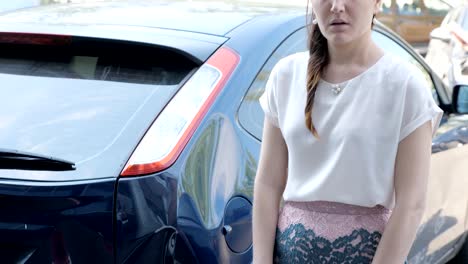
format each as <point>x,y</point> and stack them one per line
<point>89,59</point>
<point>391,46</point>
<point>409,7</point>
<point>250,112</point>
<point>436,7</point>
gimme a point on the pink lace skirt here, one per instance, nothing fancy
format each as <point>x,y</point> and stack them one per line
<point>328,232</point>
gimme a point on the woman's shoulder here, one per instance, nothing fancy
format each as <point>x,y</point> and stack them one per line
<point>399,76</point>
<point>400,69</point>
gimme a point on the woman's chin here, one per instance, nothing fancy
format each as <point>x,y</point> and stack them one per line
<point>339,40</point>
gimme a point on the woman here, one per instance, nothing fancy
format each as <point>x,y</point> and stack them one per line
<point>346,143</point>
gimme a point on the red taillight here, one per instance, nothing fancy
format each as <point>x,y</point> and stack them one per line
<point>175,125</point>
<point>35,39</point>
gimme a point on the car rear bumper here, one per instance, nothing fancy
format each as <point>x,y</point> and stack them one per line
<point>70,223</point>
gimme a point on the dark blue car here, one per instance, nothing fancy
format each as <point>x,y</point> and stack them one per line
<point>130,132</point>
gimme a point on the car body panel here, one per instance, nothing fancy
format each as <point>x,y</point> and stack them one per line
<point>444,220</point>
<point>57,223</point>
<point>443,225</point>
<point>183,212</point>
<point>219,162</point>
<point>449,219</point>
<point>152,14</point>
<point>146,210</point>
<point>215,170</point>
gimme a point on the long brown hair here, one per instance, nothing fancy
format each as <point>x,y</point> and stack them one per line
<point>318,60</point>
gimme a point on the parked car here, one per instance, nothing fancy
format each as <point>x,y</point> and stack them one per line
<point>414,19</point>
<point>448,48</point>
<point>130,132</point>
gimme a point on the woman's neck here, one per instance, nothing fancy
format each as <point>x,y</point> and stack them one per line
<point>362,51</point>
<point>350,60</point>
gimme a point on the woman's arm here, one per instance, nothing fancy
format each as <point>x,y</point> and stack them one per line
<point>269,185</point>
<point>411,175</point>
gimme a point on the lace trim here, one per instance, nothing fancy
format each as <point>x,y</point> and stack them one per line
<point>332,220</point>
<point>299,245</point>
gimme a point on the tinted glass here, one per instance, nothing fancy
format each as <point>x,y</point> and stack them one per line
<point>95,60</point>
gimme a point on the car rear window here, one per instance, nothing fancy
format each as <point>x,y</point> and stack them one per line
<point>94,59</point>
<point>87,101</point>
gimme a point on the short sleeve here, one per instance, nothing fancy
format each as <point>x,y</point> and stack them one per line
<point>419,106</point>
<point>268,100</point>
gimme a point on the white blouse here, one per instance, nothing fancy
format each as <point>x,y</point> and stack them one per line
<point>359,127</point>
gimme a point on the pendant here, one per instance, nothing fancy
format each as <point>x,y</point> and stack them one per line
<point>337,89</point>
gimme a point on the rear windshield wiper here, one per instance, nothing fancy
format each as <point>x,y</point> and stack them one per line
<point>20,160</point>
